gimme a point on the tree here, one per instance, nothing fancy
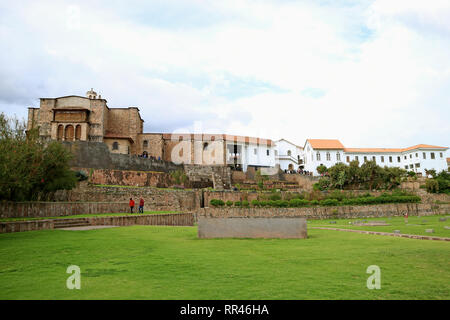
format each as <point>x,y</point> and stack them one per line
<point>31,169</point>
<point>321,169</point>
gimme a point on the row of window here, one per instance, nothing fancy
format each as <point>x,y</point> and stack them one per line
<point>338,157</point>
<point>69,133</point>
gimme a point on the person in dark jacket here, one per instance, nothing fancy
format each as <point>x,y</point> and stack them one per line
<point>141,206</point>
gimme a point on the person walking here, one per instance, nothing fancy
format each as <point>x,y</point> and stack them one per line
<point>131,205</point>
<point>141,206</point>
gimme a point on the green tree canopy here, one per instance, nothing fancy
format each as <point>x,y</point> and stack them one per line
<point>30,169</point>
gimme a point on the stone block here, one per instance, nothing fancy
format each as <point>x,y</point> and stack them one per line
<point>252,228</point>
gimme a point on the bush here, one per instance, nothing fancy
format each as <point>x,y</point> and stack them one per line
<point>275,196</point>
<point>229,203</point>
<point>329,202</point>
<point>296,203</point>
<point>81,175</point>
<point>245,203</point>
<point>314,202</point>
<point>238,204</point>
<point>217,203</point>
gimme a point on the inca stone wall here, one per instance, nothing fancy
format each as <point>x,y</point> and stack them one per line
<point>384,210</point>
<point>284,228</point>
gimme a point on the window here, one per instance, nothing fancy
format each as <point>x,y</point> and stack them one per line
<point>382,158</point>
<point>373,158</point>
<point>424,155</point>
<point>417,155</point>
<point>432,155</point>
<point>318,156</point>
<point>410,156</point>
<point>328,156</point>
<point>348,159</point>
<point>268,152</point>
<point>115,145</point>
<point>255,151</point>
<point>289,153</point>
<point>145,144</point>
<point>405,157</point>
<point>411,166</point>
<point>441,154</point>
<point>276,152</point>
<point>338,156</point>
<point>406,167</point>
<point>417,165</point>
<point>398,159</point>
<point>390,158</point>
<point>60,132</point>
<point>78,132</point>
<point>205,146</point>
<point>356,158</point>
<point>365,158</point>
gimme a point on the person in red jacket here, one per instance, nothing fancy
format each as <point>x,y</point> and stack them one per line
<point>131,204</point>
<point>141,206</point>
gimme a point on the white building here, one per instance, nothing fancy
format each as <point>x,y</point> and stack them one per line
<point>243,152</point>
<point>416,158</point>
<point>288,155</point>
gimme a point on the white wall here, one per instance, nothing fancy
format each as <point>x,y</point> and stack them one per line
<point>439,162</point>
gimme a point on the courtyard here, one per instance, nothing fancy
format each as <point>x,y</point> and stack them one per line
<point>160,262</point>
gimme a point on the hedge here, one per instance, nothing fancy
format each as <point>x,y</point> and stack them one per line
<point>296,203</point>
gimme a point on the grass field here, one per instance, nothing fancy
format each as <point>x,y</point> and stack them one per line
<point>86,216</point>
<point>415,225</point>
<point>150,262</point>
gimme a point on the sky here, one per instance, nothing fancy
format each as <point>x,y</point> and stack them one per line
<point>369,73</point>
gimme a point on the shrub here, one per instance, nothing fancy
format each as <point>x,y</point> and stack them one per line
<point>256,203</point>
<point>217,203</point>
<point>229,203</point>
<point>275,196</point>
<point>329,202</point>
<point>245,203</point>
<point>324,183</point>
<point>238,204</point>
<point>314,202</point>
<point>296,203</point>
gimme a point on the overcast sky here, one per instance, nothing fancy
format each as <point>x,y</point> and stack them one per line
<point>369,73</point>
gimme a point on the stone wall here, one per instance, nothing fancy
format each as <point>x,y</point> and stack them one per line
<point>283,228</point>
<point>218,177</point>
<point>96,155</point>
<point>128,178</point>
<point>155,198</point>
<point>56,209</point>
<point>385,210</point>
<point>178,219</point>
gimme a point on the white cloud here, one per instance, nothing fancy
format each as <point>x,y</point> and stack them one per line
<point>381,67</point>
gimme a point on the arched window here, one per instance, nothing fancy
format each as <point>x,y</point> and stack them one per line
<point>205,145</point>
<point>289,153</point>
<point>318,156</point>
<point>145,143</point>
<point>68,136</point>
<point>328,156</point>
<point>115,145</point>
<point>60,132</point>
<point>338,156</point>
<point>78,132</point>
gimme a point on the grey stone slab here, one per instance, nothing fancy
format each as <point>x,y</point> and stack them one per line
<point>252,228</point>
<point>87,228</point>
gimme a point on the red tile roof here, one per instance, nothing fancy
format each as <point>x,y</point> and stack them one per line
<point>325,144</point>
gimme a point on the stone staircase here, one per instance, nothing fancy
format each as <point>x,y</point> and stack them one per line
<point>70,223</point>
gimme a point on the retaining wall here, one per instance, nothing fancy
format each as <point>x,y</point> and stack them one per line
<point>175,219</point>
<point>384,210</point>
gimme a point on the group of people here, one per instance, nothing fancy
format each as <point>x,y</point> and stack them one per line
<point>141,205</point>
<point>299,171</point>
<point>146,156</point>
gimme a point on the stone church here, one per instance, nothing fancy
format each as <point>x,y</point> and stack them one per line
<point>77,118</point>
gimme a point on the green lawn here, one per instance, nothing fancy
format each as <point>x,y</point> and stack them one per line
<point>86,216</point>
<point>415,225</point>
<point>151,262</point>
